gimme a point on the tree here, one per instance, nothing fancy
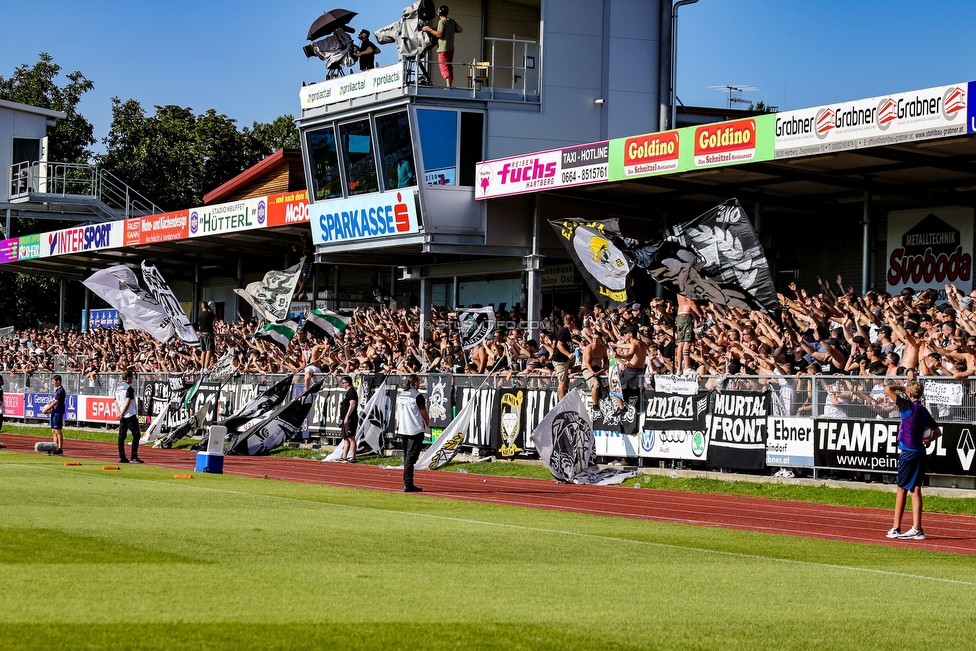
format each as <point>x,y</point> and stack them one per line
<point>279,134</point>
<point>762,107</point>
<point>69,140</point>
<point>175,157</point>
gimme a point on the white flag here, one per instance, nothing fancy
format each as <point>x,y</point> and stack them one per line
<point>564,438</point>
<point>371,425</point>
<point>224,368</point>
<point>271,298</point>
<point>119,287</point>
<point>165,297</point>
<point>449,442</point>
<point>476,325</point>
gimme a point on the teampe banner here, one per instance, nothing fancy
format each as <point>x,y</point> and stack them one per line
<point>737,430</point>
<point>684,445</point>
<point>929,248</point>
<point>789,442</point>
<point>872,446</point>
<point>664,411</point>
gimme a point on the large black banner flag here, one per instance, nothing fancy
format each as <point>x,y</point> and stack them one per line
<point>439,399</point>
<point>665,411</point>
<point>737,430</point>
<point>508,422</point>
<point>715,257</point>
<point>591,245</point>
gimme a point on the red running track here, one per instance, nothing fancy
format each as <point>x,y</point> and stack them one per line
<point>945,533</point>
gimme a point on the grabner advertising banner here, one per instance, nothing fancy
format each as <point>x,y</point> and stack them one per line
<point>872,446</point>
<point>789,442</point>
<point>929,248</point>
<point>384,214</point>
<point>926,114</point>
<point>737,430</point>
<point>687,445</point>
<point>544,170</point>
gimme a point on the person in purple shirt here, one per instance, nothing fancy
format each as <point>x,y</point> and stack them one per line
<point>916,430</point>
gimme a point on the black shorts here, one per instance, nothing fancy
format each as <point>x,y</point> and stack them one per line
<point>348,430</point>
<point>206,341</point>
<point>628,375</point>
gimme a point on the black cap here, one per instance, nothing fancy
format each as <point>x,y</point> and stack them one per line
<point>858,340</point>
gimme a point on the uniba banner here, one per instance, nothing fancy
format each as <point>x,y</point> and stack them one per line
<point>929,248</point>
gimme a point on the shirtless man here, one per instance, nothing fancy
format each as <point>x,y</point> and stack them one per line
<point>633,354</point>
<point>684,330</point>
<point>594,365</point>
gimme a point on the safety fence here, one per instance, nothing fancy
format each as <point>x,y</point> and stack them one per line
<point>737,422</point>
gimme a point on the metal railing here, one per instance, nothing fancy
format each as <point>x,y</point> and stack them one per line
<point>69,180</point>
<point>510,73</point>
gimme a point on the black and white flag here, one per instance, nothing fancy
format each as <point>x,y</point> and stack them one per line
<point>604,265</point>
<point>223,369</point>
<point>275,428</point>
<point>165,297</point>
<point>119,287</point>
<point>565,439</point>
<point>449,442</point>
<point>439,399</point>
<point>475,324</point>
<point>715,257</point>
<point>665,411</point>
<point>271,297</point>
<point>371,425</point>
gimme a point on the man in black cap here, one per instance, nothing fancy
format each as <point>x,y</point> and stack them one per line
<point>366,51</point>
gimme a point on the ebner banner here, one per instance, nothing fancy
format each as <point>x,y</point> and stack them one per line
<point>737,430</point>
<point>929,248</point>
<point>789,442</point>
<point>926,114</point>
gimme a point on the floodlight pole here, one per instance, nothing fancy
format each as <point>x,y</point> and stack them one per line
<point>674,58</point>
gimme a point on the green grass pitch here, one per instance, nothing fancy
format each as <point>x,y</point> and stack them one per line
<point>136,559</point>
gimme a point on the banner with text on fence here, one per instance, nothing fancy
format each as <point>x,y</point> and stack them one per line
<point>737,430</point>
<point>872,446</point>
<point>789,442</point>
<point>685,445</point>
<point>664,411</point>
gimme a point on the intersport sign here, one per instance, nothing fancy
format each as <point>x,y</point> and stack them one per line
<point>927,114</point>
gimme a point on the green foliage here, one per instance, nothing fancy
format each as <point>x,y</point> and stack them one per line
<point>36,85</point>
<point>174,157</point>
<point>137,559</point>
<point>762,107</point>
<point>29,301</point>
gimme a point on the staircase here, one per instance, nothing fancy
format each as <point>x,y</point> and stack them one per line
<point>78,185</point>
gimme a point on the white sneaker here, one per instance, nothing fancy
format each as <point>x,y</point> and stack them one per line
<point>894,532</point>
<point>912,534</point>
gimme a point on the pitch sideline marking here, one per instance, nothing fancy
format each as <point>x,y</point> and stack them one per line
<point>719,552</point>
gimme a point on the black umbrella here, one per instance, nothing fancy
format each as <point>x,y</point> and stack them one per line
<point>329,22</point>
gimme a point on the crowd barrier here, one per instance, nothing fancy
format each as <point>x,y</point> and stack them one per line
<point>825,423</point>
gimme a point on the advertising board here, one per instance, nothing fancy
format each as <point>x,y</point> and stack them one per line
<point>165,227</point>
<point>685,445</point>
<point>544,170</point>
<point>13,405</point>
<point>931,113</point>
<point>288,208</point>
<point>929,248</point>
<point>233,217</point>
<point>29,247</point>
<point>361,84</point>
<point>789,442</point>
<point>94,237</point>
<point>9,250</point>
<point>365,217</point>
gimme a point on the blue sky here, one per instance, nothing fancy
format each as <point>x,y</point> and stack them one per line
<point>244,59</point>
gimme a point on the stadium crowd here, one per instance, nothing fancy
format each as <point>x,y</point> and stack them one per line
<point>831,331</point>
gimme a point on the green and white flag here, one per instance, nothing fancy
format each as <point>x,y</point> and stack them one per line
<point>279,334</point>
<point>328,322</point>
